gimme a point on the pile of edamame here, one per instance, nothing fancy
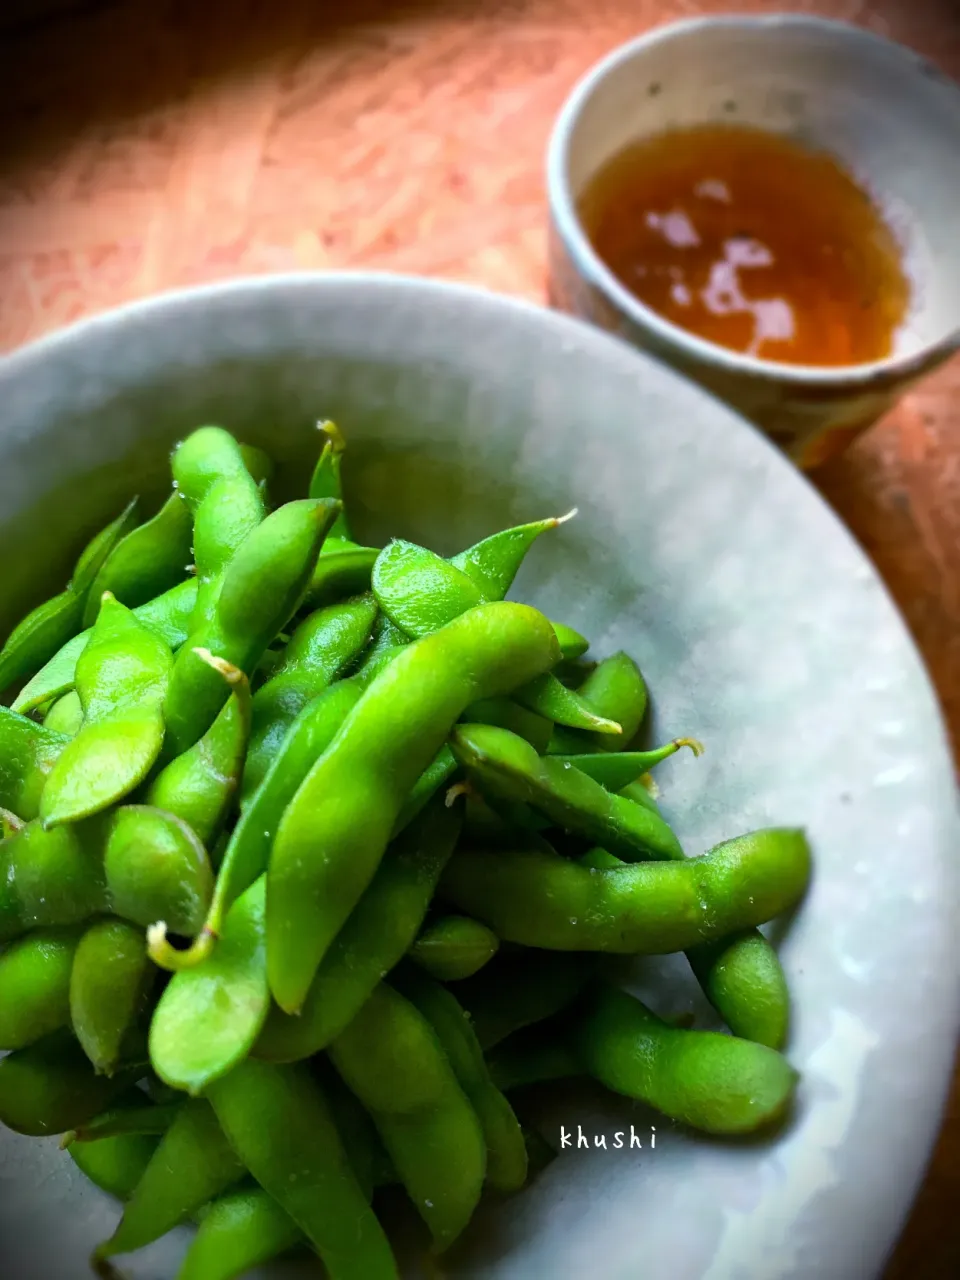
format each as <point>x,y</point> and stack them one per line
<point>312,856</point>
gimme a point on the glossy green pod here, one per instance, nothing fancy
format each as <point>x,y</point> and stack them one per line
<point>50,1087</point>
<point>210,1015</point>
<point>109,984</point>
<point>309,1174</point>
<point>28,751</point>
<point>192,1163</point>
<point>147,561</point>
<point>35,986</point>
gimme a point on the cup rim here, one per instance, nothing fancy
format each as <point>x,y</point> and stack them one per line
<point>589,264</point>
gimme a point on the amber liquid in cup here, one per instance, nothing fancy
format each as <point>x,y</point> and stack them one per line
<point>749,240</point>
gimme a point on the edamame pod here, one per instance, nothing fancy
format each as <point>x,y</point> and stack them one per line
<point>325,481</point>
<point>209,1015</point>
<point>391,1058</point>
<point>494,563</point>
<point>454,947</point>
<point>146,562</point>
<point>615,770</point>
<point>506,1150</point>
<point>28,751</point>
<point>334,832</point>
<point>50,1087</point>
<point>51,877</point>
<point>646,908</point>
<point>42,632</point>
<point>122,677</point>
<point>508,768</point>
<point>375,937</point>
<point>109,983</point>
<point>246,853</point>
<point>192,1163</point>
<point>262,588</point>
<point>115,1165</point>
<point>156,869</point>
<point>744,981</point>
<point>65,716</point>
<point>717,1083</point>
<point>616,690</point>
<point>320,649</point>
<point>226,502</point>
<point>257,1101</point>
<point>200,786</point>
<point>168,616</point>
<point>239,1231</point>
<point>35,986</point>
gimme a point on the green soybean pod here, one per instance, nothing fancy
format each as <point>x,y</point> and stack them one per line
<point>50,1087</point>
<point>420,592</point>
<point>541,900</point>
<point>200,785</point>
<point>210,471</point>
<point>246,853</point>
<point>436,775</point>
<point>335,830</point>
<point>506,1149</point>
<point>319,651</point>
<point>42,632</point>
<point>343,569</point>
<point>358,1133</point>
<point>258,462</point>
<point>156,869</point>
<point>391,1059</point>
<point>51,877</point>
<point>494,563</point>
<point>572,644</point>
<point>257,1101</point>
<point>65,716</point>
<point>615,770</point>
<point>261,589</point>
<point>115,1165</point>
<point>28,751</point>
<point>132,1113</point>
<point>109,984</point>
<point>239,1231</point>
<point>209,1016</point>
<point>35,986</point>
<point>146,562</point>
<point>122,677</point>
<point>508,714</point>
<point>505,766</point>
<point>716,1083</point>
<point>374,939</point>
<point>192,1163</point>
<point>168,616</point>
<point>325,481</point>
<point>743,979</point>
<point>454,947</point>
<point>616,690</point>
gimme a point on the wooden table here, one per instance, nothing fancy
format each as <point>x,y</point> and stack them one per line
<point>147,145</point>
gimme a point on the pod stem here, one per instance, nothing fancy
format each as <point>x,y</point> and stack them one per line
<point>334,435</point>
<point>171,958</point>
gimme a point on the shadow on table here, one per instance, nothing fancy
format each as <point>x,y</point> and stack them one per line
<point>69,64</point>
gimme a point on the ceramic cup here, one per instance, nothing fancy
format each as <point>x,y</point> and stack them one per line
<point>891,118</point>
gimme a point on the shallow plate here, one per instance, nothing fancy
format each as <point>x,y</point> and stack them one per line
<point>760,625</point>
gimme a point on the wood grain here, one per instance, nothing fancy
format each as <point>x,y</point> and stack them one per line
<point>146,144</point>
